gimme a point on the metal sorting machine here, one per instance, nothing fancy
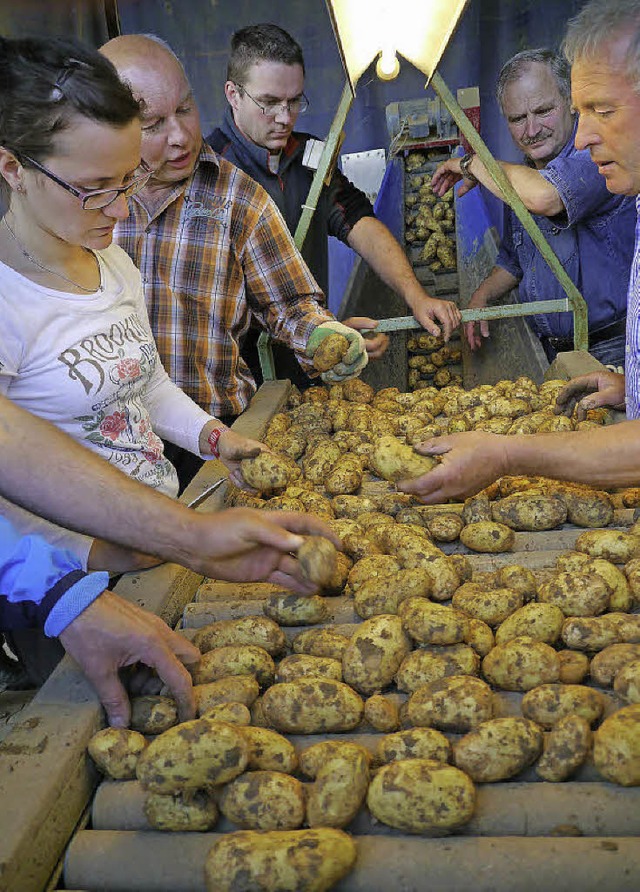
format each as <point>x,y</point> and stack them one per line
<point>525,833</point>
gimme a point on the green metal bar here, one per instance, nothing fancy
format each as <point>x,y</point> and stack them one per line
<point>327,160</point>
<point>408,323</point>
<point>578,305</point>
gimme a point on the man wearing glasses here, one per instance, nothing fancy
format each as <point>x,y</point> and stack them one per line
<point>265,92</point>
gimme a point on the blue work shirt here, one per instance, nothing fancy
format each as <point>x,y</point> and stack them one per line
<point>593,240</point>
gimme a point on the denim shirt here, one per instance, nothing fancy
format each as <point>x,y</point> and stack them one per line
<point>632,358</point>
<point>593,240</point>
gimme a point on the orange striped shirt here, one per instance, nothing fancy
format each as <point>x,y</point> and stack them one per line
<point>216,251</point>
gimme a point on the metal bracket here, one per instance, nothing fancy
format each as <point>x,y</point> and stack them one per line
<point>409,323</point>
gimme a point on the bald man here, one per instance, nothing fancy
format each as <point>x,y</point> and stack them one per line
<point>213,251</point>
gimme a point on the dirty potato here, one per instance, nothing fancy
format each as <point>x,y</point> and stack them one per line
<point>566,748</point>
<point>457,703</point>
<point>269,751</point>
<point>498,749</point>
<point>428,623</point>
<point>479,636</point>
<point>340,785</point>
<point>421,796</point>
<point>577,594</point>
<point>573,666</point>
<point>234,713</point>
<point>345,477</point>
<point>229,689</point>
<point>235,659</point>
<point>487,537</point>
<point>153,714</point>
<point>612,545</point>
<point>530,511</point>
<point>306,666</point>
<point>429,664</point>
<point>519,579</point>
<point>591,633</point>
<point>318,559</point>
<point>616,748</point>
<point>521,664</point>
<point>255,630</point>
<point>195,812</point>
<point>393,460</point>
<point>286,860</point>
<point>330,351</point>
<point>194,755</point>
<point>414,743</point>
<point>116,751</point>
<point>381,713</point>
<point>445,527</point>
<point>267,472</point>
<point>627,682</point>
<point>264,800</point>
<point>296,610</point>
<point>492,606</point>
<point>312,706</point>
<point>320,643</point>
<point>606,664</point>
<point>375,651</point>
<point>548,703</point>
<point>588,508</point>
<point>540,621</point>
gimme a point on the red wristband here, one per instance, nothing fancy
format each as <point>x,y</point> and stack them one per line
<point>213,438</point>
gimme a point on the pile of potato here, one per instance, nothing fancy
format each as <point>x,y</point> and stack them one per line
<point>429,220</point>
<point>432,363</point>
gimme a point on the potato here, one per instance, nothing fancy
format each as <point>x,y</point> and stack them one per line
<point>462,566</point>
<point>330,351</point>
<point>498,749</point>
<point>264,800</point>
<point>421,796</point>
<point>232,689</point>
<point>492,606</point>
<point>606,664</point>
<point>320,643</point>
<point>577,594</point>
<point>433,663</point>
<point>530,511</point>
<point>566,748</point>
<point>590,633</point>
<point>312,706</point>
<point>316,503</point>
<point>521,664</point>
<point>318,461</point>
<point>445,527</point>
<point>306,666</point>
<point>429,623</point>
<point>385,593</point>
<point>256,630</point>
<point>616,747</point>
<point>195,812</point>
<point>612,545</point>
<point>588,508</point>
<point>318,559</point>
<point>627,682</point>
<point>393,460</point>
<point>573,666</point>
<point>621,597</point>
<point>457,703</point>
<point>153,714</point>
<point>351,506</point>
<point>487,537</point>
<point>548,703</point>
<point>345,476</point>
<point>194,755</point>
<point>381,713</point>
<point>269,751</point>
<point>235,659</point>
<point>296,610</point>
<point>479,636</point>
<point>234,713</point>
<point>374,653</point>
<point>289,861</point>
<point>355,390</point>
<point>414,743</point>
<point>116,751</point>
<point>572,562</point>
<point>540,621</point>
<point>518,579</point>
<point>340,785</point>
<point>476,509</point>
<point>266,472</point>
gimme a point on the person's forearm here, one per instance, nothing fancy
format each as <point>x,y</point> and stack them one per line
<point>498,282</point>
<point>537,194</point>
<point>45,471</point>
<point>374,243</point>
<point>607,456</point>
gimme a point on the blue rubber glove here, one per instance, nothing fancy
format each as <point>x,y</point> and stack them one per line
<point>353,361</point>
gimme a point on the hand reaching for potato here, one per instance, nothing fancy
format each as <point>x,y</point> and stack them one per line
<point>346,364</point>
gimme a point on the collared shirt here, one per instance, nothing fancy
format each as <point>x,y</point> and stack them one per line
<point>340,204</point>
<point>593,240</point>
<point>215,252</point>
<point>632,358</point>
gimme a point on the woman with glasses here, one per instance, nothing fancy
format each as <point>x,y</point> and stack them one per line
<point>75,345</point>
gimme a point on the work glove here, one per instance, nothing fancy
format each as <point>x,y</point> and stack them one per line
<point>353,361</point>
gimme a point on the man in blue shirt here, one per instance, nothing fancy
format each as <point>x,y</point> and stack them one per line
<point>588,228</point>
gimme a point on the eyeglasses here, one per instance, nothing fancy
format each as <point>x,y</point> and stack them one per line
<point>297,106</point>
<point>95,199</point>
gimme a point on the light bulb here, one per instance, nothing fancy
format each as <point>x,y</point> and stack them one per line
<point>387,66</point>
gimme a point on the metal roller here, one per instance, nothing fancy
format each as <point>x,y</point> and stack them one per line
<point>104,861</point>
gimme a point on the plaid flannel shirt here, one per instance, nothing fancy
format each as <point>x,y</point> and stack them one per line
<point>216,251</point>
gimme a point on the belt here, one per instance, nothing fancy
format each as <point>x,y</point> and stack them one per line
<point>614,330</point>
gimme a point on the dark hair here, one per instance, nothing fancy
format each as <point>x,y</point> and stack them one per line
<point>518,64</point>
<point>261,43</point>
<point>45,82</point>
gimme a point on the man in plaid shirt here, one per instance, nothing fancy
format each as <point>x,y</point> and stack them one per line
<point>213,250</point>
